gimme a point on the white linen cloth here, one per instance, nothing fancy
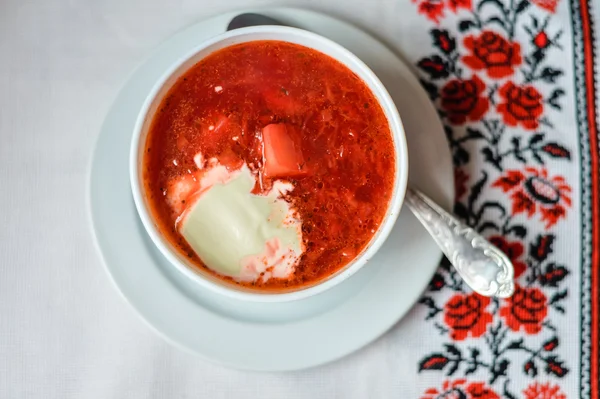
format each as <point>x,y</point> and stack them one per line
<point>65,332</point>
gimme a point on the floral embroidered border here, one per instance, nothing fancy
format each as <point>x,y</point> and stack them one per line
<point>500,97</point>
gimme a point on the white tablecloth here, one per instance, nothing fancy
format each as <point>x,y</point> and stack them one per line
<point>514,82</point>
<point>64,330</point>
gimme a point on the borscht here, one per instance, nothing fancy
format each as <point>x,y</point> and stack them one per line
<point>269,165</point>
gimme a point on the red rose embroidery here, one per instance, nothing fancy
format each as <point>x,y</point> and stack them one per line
<point>534,191</point>
<point>461,389</point>
<point>512,249</point>
<point>543,391</point>
<point>432,9</point>
<point>520,105</point>
<point>549,5</point>
<point>456,4</point>
<point>466,315</point>
<point>478,390</point>
<point>460,183</point>
<point>493,53</point>
<point>525,310</point>
<point>462,100</point>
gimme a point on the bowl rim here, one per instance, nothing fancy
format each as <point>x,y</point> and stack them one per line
<point>394,206</point>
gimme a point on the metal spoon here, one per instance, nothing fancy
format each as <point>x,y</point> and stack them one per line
<point>249,19</point>
<point>480,264</point>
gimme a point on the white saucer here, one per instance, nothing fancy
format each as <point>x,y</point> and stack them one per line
<point>285,336</point>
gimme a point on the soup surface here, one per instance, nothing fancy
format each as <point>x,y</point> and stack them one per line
<point>292,117</point>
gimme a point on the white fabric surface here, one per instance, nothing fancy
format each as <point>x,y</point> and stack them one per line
<point>64,330</point>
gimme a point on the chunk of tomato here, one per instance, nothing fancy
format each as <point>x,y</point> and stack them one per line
<point>283,156</point>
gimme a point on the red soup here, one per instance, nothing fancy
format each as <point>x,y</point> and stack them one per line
<point>288,114</point>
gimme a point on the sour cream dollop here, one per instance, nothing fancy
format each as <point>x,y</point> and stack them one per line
<point>234,232</point>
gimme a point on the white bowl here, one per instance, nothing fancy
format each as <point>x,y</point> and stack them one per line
<point>250,34</point>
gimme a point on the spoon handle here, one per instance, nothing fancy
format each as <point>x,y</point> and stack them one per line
<point>481,265</point>
<point>251,19</point>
